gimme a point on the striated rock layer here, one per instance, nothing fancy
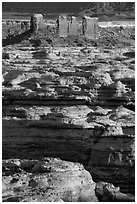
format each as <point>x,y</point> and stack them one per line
<point>112,158</point>
<point>72,99</point>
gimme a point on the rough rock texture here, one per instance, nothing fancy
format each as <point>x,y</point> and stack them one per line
<point>52,131</point>
<point>73,26</point>
<point>12,28</point>
<point>47,180</point>
<point>63,26</point>
<point>74,99</point>
<point>107,192</point>
<point>90,28</point>
<point>113,158</point>
<point>36,22</point>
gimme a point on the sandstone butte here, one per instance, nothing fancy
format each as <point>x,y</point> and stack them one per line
<point>69,98</point>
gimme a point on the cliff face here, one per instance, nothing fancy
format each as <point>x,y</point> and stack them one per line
<point>72,102</point>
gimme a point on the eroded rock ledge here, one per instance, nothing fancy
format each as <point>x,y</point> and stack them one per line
<point>72,99</point>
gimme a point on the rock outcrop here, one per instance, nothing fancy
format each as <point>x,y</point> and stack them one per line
<point>47,180</point>
<point>113,157</point>
<point>107,192</point>
<point>90,27</point>
<point>36,22</point>
<point>73,99</point>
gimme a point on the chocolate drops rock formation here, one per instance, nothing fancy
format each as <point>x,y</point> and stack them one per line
<point>73,99</point>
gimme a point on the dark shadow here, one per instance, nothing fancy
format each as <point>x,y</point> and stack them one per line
<point>35,43</point>
<point>130,54</point>
<point>45,138</point>
<point>42,54</point>
<point>16,39</point>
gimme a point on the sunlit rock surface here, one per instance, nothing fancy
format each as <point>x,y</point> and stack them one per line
<point>73,99</point>
<point>47,180</point>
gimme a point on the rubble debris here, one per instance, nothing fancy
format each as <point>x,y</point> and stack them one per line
<point>69,97</point>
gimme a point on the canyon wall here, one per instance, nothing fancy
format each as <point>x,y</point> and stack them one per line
<point>72,99</point>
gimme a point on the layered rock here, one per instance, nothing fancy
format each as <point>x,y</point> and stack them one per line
<point>76,103</point>
<point>62,73</point>
<point>52,131</point>
<point>90,27</point>
<point>47,180</point>
<point>113,157</point>
<point>113,152</point>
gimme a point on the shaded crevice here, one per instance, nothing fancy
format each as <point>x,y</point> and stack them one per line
<point>11,40</point>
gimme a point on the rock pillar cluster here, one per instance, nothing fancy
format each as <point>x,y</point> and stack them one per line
<point>69,28</point>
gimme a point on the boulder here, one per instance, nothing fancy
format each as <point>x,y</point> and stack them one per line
<point>73,26</point>
<point>50,180</point>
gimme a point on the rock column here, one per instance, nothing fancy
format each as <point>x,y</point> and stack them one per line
<point>113,157</point>
<point>90,28</point>
<point>36,22</point>
<point>73,26</point>
<point>62,26</point>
